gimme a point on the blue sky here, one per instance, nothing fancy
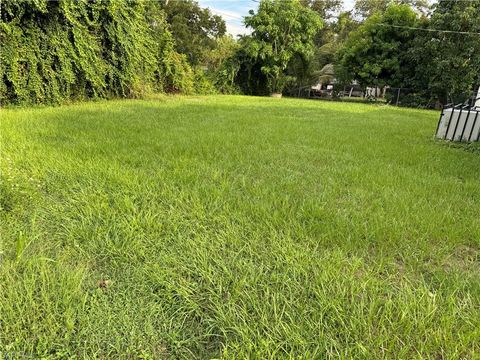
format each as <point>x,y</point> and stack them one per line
<point>233,11</point>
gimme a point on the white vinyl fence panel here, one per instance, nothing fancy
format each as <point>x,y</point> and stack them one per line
<point>459,125</point>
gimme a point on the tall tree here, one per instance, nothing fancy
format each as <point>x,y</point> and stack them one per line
<point>327,41</point>
<point>327,9</point>
<point>366,8</point>
<point>344,25</point>
<point>334,37</point>
<point>195,29</point>
<point>377,53</point>
<point>449,63</point>
<point>281,30</point>
<point>308,71</point>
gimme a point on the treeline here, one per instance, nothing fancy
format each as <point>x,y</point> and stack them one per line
<point>53,51</point>
<point>431,52</point>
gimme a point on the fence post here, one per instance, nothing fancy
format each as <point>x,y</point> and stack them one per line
<point>473,126</point>
<point>477,103</point>
<point>398,96</point>
<point>465,124</point>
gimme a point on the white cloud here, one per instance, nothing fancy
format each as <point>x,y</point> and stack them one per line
<point>235,29</point>
<point>233,19</point>
<point>232,12</point>
<point>227,14</point>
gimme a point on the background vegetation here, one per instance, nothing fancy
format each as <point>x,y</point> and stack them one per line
<point>54,51</point>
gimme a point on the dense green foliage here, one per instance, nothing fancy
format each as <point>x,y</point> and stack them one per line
<point>58,50</point>
<point>367,8</point>
<point>390,48</point>
<point>238,228</point>
<point>249,76</point>
<point>326,9</point>
<point>223,65</point>
<point>281,30</point>
<point>195,29</point>
<point>327,41</point>
<point>378,55</point>
<point>448,63</point>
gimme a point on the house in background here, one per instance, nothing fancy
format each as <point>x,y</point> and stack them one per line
<point>327,83</point>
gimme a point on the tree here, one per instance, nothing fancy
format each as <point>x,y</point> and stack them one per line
<point>225,48</point>
<point>249,78</point>
<point>308,71</point>
<point>377,53</point>
<point>222,64</point>
<point>334,38</point>
<point>57,50</point>
<point>449,63</point>
<point>366,8</point>
<point>326,42</point>
<point>194,29</point>
<point>282,29</point>
<point>326,9</point>
<point>344,25</point>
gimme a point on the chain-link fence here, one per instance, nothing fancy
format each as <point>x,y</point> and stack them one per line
<point>390,95</point>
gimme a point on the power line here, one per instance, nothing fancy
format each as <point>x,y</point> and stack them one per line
<point>431,30</point>
<point>227,14</point>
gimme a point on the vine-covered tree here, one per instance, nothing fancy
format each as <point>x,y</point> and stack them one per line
<point>57,50</point>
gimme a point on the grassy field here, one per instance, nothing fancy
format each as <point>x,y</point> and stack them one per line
<point>236,227</point>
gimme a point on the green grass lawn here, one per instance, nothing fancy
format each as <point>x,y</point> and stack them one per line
<point>236,227</point>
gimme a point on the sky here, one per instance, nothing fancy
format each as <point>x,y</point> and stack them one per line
<point>233,11</point>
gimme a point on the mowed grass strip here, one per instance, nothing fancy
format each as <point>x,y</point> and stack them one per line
<point>236,227</point>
